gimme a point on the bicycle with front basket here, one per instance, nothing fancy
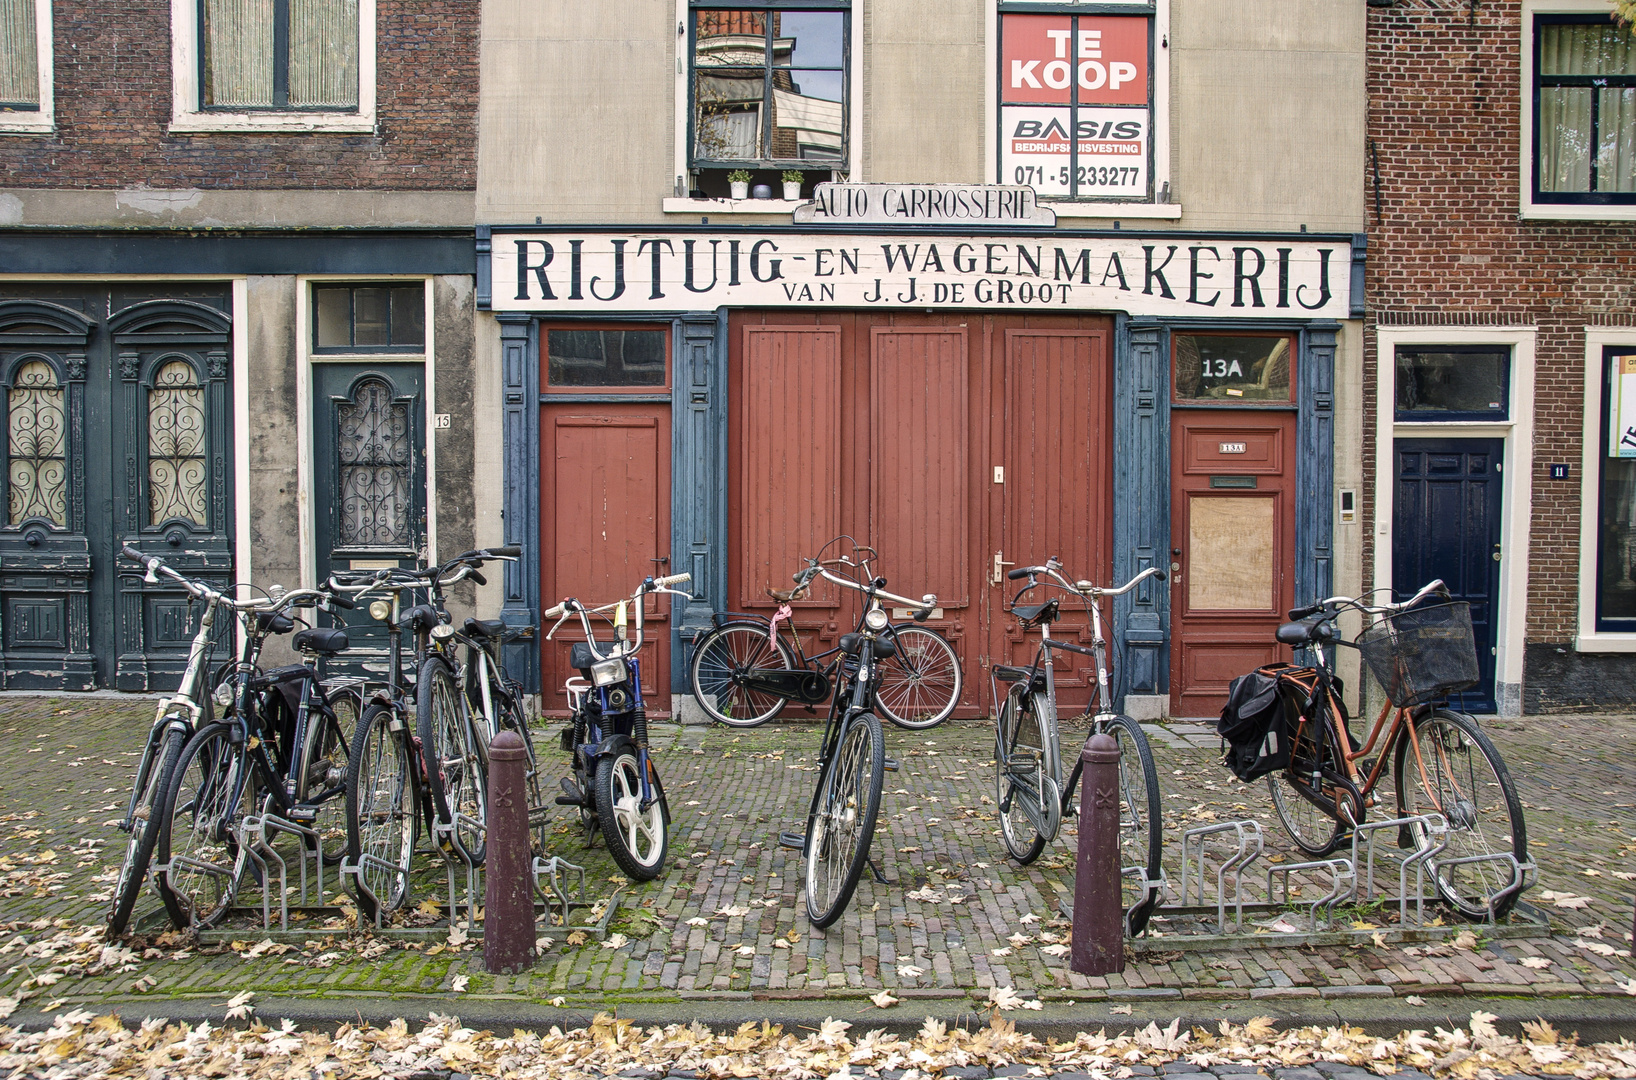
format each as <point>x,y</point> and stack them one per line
<point>1033,798</point>
<point>1442,761</point>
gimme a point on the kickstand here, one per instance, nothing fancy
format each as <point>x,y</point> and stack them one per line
<point>880,878</point>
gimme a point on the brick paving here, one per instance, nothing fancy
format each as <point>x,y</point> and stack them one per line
<point>957,920</point>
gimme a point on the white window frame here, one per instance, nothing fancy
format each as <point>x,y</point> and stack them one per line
<point>1081,208</point>
<point>42,121</point>
<point>186,115</point>
<point>674,204</point>
<point>1525,130</point>
<point>1589,639</point>
<point>1517,494</point>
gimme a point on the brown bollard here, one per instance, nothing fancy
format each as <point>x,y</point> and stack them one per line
<point>508,895</point>
<point>1099,914</point>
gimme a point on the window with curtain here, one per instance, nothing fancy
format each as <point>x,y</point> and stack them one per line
<point>278,54</point>
<point>1584,110</point>
<point>19,57</point>
<point>37,461</point>
<point>1616,512</point>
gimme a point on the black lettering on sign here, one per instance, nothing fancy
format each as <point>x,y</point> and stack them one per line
<point>1152,273</point>
<point>539,270</point>
<point>1195,275</point>
<point>1323,283</point>
<point>687,266</point>
<point>1253,277</point>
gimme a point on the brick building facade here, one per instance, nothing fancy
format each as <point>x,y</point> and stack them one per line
<point>1501,288</point>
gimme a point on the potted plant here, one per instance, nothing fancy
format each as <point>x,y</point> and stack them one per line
<point>792,184</point>
<point>739,181</point>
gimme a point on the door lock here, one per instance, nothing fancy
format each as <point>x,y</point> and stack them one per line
<point>1496,553</point>
<point>999,569</point>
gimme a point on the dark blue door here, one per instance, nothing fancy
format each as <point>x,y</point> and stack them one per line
<point>1446,524</point>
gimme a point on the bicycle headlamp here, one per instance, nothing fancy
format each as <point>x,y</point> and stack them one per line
<point>876,619</point>
<point>608,672</point>
<point>380,610</point>
<point>224,693</point>
<point>442,631</point>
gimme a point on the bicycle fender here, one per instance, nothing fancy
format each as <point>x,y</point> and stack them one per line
<point>722,618</point>
<point>589,752</point>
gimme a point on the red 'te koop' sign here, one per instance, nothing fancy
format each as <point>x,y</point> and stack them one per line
<point>1042,57</point>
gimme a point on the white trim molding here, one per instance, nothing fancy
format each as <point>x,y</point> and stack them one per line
<point>187,117</point>
<point>1517,489</point>
<point>1527,207</point>
<point>1589,639</point>
<point>41,121</point>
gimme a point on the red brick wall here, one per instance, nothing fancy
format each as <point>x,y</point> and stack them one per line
<point>1449,248</point>
<point>113,104</point>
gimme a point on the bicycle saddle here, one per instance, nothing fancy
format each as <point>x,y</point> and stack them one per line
<point>1306,631</point>
<point>485,628</point>
<point>784,596</point>
<point>321,641</point>
<point>850,643</point>
<point>1035,614</point>
<point>270,623</point>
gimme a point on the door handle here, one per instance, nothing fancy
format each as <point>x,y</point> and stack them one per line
<point>999,568</point>
<point>1496,553</point>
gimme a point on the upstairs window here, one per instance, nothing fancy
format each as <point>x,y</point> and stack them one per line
<point>1584,111</point>
<point>288,55</point>
<point>768,89</point>
<point>19,56</point>
<point>369,318</point>
<point>1076,102</point>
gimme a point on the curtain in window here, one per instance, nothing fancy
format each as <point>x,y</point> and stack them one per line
<point>19,60</point>
<point>238,47</point>
<point>1565,134</point>
<point>323,54</point>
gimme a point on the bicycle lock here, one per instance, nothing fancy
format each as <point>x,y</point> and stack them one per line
<point>1099,914</point>
<point>508,895</point>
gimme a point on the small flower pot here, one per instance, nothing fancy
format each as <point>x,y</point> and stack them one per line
<point>741,188</point>
<point>792,190</point>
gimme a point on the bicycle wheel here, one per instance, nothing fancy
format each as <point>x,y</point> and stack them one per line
<point>1458,773</point>
<point>721,657</point>
<point>321,779</point>
<point>512,718</point>
<point>919,685</point>
<point>139,844</point>
<point>841,826</point>
<point>1314,830</point>
<point>1141,841</point>
<point>1029,816</point>
<point>381,816</point>
<point>200,847</point>
<point>454,770</point>
<point>637,837</point>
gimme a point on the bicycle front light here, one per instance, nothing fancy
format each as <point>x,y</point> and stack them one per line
<point>442,631</point>
<point>876,619</point>
<point>224,693</point>
<point>380,610</point>
<point>608,672</point>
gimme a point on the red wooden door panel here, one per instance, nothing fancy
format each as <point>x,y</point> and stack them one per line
<point>604,518</point>
<point>1232,523</point>
<point>1055,499</point>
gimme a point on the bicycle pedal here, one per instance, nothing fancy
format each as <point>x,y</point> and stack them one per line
<point>793,840</point>
<point>891,764</point>
<point>302,815</point>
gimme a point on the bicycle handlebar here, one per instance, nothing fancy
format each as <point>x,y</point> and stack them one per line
<point>926,603</point>
<point>649,586</point>
<point>1435,586</point>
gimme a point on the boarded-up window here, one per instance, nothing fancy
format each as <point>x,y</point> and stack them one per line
<point>1232,553</point>
<point>278,54</point>
<point>19,56</point>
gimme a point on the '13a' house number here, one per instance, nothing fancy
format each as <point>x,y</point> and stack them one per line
<point>1222,369</point>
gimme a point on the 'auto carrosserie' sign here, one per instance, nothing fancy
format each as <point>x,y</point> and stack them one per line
<point>1152,274</point>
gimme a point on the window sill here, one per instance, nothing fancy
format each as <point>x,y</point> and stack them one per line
<point>1577,212</point>
<point>732,206</point>
<point>22,123</point>
<point>296,123</point>
<point>1115,211</point>
<point>1605,643</point>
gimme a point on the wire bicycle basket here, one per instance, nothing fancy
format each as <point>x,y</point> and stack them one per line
<point>1421,654</point>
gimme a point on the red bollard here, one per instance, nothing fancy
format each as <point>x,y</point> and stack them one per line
<point>508,894</point>
<point>1099,913</point>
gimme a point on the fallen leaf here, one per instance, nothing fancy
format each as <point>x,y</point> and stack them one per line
<point>616,941</point>
<point>1054,950</point>
<point>458,983</point>
<point>698,920</point>
<point>558,1002</point>
<point>999,952</point>
<point>1538,963</point>
<point>746,950</point>
<point>239,1007</point>
<point>1628,987</point>
<point>1119,1010</point>
<point>8,1005</point>
<point>1003,997</point>
<point>884,999</point>
<point>905,971</point>
<point>1415,999</point>
<point>1379,939</point>
<point>1465,939</point>
<point>457,937</point>
<point>577,938</point>
<point>1026,919</point>
<point>732,911</point>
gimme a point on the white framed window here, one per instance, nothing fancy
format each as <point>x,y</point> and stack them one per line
<point>1607,508</point>
<point>272,65</point>
<point>25,67</point>
<point>1578,112</point>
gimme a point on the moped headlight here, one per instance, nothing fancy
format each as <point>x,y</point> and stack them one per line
<point>224,693</point>
<point>380,610</point>
<point>608,672</point>
<point>876,619</point>
<point>442,631</point>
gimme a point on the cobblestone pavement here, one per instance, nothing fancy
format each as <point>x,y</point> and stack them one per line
<point>726,921</point>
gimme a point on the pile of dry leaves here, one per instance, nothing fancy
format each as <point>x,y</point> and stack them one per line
<point>80,1045</point>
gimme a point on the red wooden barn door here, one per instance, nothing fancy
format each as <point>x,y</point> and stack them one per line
<point>604,518</point>
<point>1053,389</point>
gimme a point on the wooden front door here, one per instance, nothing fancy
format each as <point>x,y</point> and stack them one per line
<point>604,526</point>
<point>1232,528</point>
<point>1446,524</point>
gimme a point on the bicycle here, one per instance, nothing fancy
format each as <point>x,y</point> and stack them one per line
<point>263,759</point>
<point>852,762</point>
<point>402,771</point>
<point>615,785</point>
<point>1443,763</point>
<point>493,701</point>
<point>1031,797</point>
<point>745,669</point>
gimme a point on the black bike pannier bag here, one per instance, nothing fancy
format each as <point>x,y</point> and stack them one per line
<point>1253,725</point>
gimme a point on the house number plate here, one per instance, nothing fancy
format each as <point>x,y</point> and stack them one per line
<point>1232,448</point>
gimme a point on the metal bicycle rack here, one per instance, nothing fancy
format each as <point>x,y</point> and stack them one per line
<point>1250,846</point>
<point>1340,872</point>
<point>447,836</point>
<point>253,839</point>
